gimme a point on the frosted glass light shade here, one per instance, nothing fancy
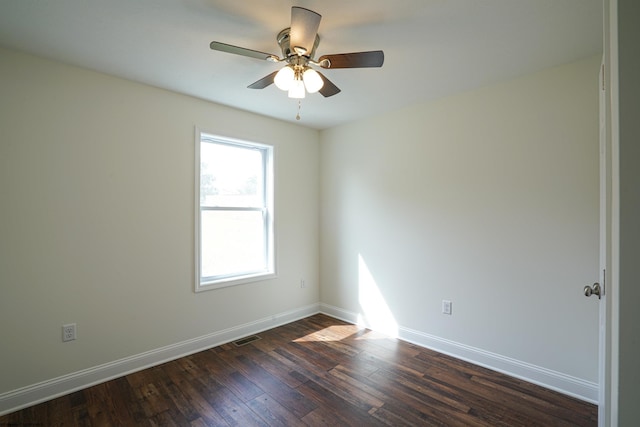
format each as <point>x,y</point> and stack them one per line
<point>284,78</point>
<point>297,89</point>
<point>312,80</point>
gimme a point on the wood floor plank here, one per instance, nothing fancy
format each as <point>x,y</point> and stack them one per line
<point>273,363</point>
<point>232,409</point>
<point>400,415</point>
<point>313,372</point>
<point>195,401</point>
<point>290,398</point>
<point>273,413</point>
<point>371,395</point>
<point>342,409</point>
<point>322,416</point>
<point>229,376</point>
<point>426,390</point>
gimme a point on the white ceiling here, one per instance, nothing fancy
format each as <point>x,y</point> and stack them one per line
<point>433,48</point>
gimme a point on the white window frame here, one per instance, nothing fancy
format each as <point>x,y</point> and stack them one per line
<point>222,281</point>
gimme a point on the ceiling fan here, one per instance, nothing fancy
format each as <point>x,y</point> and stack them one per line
<point>298,44</point>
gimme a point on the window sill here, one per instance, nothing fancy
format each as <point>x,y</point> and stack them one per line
<point>233,281</point>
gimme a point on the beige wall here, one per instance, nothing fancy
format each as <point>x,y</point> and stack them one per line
<point>626,312</point>
<point>97,219</point>
<point>488,199</point>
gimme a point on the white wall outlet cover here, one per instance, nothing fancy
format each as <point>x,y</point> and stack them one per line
<point>446,306</point>
<point>68,332</point>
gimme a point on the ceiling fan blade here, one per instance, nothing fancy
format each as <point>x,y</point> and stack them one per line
<point>263,82</point>
<point>374,58</point>
<point>328,88</point>
<point>304,28</point>
<point>223,47</point>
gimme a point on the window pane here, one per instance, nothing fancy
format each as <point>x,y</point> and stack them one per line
<point>234,202</point>
<point>230,176</point>
<point>232,242</point>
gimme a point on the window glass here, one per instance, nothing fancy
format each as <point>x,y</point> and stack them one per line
<point>234,226</point>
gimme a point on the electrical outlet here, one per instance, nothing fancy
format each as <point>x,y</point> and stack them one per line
<point>69,332</point>
<point>446,307</point>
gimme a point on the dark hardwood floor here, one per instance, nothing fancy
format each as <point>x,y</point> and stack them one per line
<point>314,372</point>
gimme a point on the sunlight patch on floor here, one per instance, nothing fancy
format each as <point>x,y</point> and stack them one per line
<point>373,335</point>
<point>332,333</point>
<point>342,332</point>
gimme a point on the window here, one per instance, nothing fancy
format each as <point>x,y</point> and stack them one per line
<point>234,224</point>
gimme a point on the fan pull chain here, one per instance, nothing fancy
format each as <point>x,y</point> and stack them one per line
<point>298,115</point>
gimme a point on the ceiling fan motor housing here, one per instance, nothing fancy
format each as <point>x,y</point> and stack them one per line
<point>288,53</point>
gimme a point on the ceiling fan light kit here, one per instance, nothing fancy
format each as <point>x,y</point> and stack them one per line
<point>297,89</point>
<point>296,79</point>
<point>284,78</point>
<point>312,80</point>
<point>298,44</point>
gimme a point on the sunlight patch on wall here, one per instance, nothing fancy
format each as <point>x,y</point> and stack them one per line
<point>375,311</point>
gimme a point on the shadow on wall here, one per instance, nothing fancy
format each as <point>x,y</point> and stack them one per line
<point>375,313</point>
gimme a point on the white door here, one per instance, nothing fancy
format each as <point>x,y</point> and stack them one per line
<point>604,404</point>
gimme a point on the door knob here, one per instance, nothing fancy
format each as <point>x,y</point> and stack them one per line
<point>592,290</point>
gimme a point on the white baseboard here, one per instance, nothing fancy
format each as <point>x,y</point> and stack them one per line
<point>33,394</point>
<point>30,395</point>
<point>566,384</point>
